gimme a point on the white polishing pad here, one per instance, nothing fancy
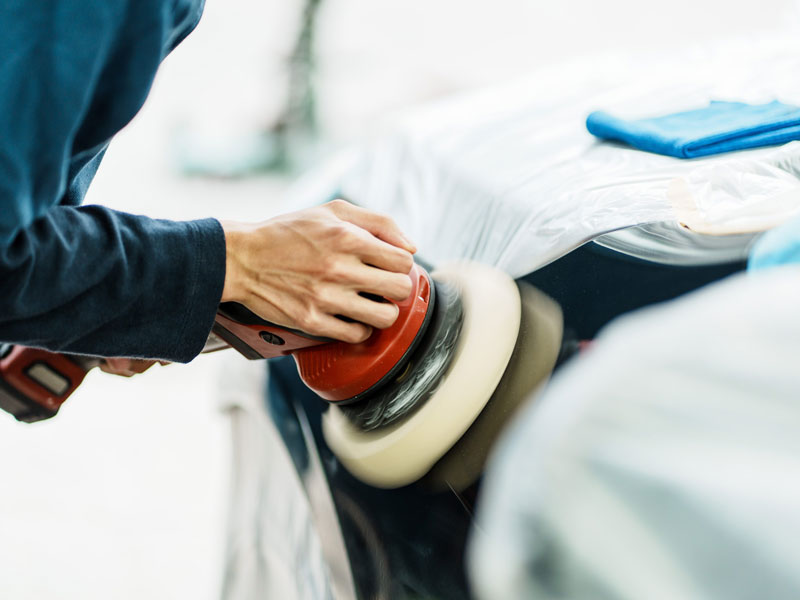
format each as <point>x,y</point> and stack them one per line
<point>535,355</point>
<point>401,453</point>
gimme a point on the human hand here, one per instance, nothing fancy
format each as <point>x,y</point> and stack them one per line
<point>304,269</point>
<point>127,367</point>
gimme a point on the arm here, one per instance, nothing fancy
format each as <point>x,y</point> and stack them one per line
<point>94,281</point>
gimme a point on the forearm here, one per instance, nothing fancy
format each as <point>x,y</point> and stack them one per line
<point>94,281</point>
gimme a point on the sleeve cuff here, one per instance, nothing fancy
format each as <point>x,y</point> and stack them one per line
<point>205,285</point>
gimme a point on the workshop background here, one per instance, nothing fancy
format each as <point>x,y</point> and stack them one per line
<point>124,494</point>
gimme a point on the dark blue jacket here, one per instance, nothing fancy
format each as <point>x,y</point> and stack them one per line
<point>89,279</point>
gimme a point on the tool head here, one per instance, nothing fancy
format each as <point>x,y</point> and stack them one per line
<point>401,452</point>
<point>411,387</point>
<point>340,372</point>
<point>336,371</point>
<point>413,396</point>
<point>533,360</point>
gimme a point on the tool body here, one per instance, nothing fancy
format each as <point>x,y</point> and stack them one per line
<point>336,371</point>
<point>447,375</point>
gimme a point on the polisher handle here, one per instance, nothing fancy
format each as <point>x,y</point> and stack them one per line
<point>34,383</point>
<point>256,338</point>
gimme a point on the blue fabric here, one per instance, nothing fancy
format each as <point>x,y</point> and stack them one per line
<point>720,127</point>
<point>780,246</point>
<point>89,279</point>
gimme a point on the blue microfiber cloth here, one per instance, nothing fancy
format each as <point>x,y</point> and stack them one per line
<point>720,127</point>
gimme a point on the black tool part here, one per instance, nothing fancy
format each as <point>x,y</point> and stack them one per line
<point>418,377</point>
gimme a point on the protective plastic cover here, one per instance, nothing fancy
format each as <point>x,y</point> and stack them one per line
<point>511,177</point>
<point>661,465</point>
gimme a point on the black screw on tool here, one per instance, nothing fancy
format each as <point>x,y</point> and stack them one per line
<point>271,338</point>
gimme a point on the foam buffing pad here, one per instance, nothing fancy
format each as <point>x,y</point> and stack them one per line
<point>417,378</point>
<point>404,451</point>
<point>533,360</point>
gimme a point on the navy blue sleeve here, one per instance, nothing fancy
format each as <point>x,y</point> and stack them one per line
<point>94,281</point>
<point>88,279</point>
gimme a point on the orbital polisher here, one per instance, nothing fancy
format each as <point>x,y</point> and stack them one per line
<point>424,397</point>
<point>428,396</point>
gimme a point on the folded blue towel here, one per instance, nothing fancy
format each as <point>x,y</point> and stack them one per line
<point>721,127</point>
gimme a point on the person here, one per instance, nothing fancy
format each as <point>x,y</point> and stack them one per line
<point>90,280</point>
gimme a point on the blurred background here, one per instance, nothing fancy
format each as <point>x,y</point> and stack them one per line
<point>123,495</point>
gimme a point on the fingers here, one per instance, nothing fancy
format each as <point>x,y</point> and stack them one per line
<point>381,226</point>
<point>367,311</point>
<point>337,329</point>
<point>380,254</point>
<point>125,367</point>
<point>393,286</point>
<point>140,366</point>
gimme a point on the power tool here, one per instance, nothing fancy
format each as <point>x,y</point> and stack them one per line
<point>402,399</point>
<point>34,383</point>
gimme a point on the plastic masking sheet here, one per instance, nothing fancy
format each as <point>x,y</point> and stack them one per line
<point>660,465</point>
<point>509,176</point>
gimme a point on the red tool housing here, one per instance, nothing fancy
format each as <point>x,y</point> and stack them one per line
<point>340,371</point>
<point>336,371</point>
